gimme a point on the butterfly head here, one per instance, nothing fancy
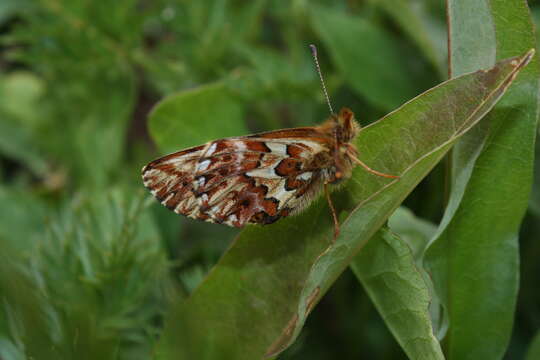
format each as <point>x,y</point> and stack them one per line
<point>347,127</point>
<point>343,129</point>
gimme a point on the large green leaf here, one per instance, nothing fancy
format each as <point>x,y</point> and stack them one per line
<point>193,117</point>
<point>415,231</point>
<point>534,348</point>
<point>387,270</point>
<point>258,296</point>
<point>534,202</point>
<point>474,257</point>
<point>390,269</point>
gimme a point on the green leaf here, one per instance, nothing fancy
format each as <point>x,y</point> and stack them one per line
<point>534,202</point>
<point>367,56</point>
<point>387,270</point>
<point>277,75</point>
<point>193,117</point>
<point>474,258</point>
<point>422,27</point>
<point>535,13</point>
<point>19,111</point>
<point>533,353</point>
<point>415,231</point>
<point>256,299</point>
<point>390,269</point>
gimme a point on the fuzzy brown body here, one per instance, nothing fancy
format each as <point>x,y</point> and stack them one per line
<point>256,178</point>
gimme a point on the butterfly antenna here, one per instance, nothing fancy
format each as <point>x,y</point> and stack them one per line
<point>314,53</point>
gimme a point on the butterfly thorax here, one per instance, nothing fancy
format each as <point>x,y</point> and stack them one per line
<point>341,130</point>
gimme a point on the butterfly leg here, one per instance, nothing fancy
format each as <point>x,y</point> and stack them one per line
<point>368,169</point>
<point>333,210</point>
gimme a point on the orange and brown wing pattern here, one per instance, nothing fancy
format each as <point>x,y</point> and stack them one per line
<point>255,179</point>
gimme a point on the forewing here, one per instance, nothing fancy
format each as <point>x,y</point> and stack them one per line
<point>256,179</point>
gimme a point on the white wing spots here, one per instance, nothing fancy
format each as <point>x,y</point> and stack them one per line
<point>203,165</point>
<point>211,149</point>
<point>276,189</point>
<point>282,195</point>
<point>200,182</point>
<point>240,146</point>
<point>214,210</point>
<point>312,148</point>
<point>305,176</point>
<point>267,173</point>
<point>277,148</point>
<point>204,197</point>
<point>164,202</point>
<point>181,161</point>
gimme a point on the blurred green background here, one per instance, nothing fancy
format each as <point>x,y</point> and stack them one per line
<point>89,263</point>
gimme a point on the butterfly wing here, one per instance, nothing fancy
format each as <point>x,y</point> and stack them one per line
<point>254,179</point>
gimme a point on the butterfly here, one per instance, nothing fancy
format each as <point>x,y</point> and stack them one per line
<point>258,178</point>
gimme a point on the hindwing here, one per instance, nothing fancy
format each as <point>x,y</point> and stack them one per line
<point>234,181</point>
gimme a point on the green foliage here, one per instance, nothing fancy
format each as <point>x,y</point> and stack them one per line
<point>20,92</point>
<point>200,122</point>
<point>477,202</point>
<point>95,281</point>
<point>300,250</point>
<point>534,349</point>
<point>419,23</point>
<point>92,267</point>
<point>387,270</point>
<point>367,74</point>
